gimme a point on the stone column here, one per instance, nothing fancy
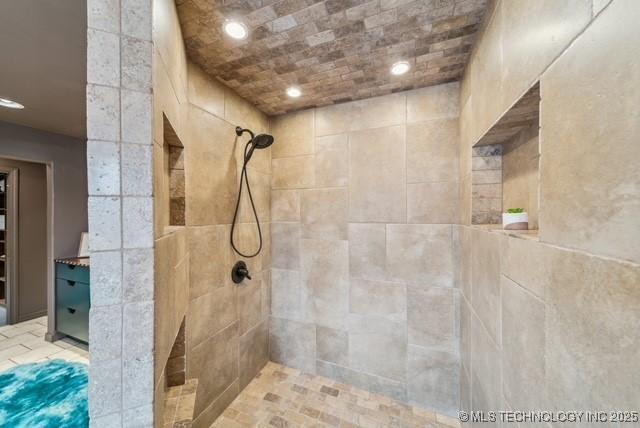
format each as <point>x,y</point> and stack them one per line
<point>119,158</point>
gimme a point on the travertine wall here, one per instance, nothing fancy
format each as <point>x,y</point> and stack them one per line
<point>119,99</point>
<point>363,198</point>
<point>226,324</point>
<point>551,322</point>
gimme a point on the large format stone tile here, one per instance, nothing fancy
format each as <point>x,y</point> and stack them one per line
<point>485,272</point>
<point>420,254</point>
<point>332,161</point>
<point>369,382</point>
<point>465,335</point>
<point>523,340</point>
<point>367,251</point>
<point>289,296</point>
<point>204,92</point>
<point>363,114</point>
<point>594,207</point>
<point>527,262</point>
<point>385,299</point>
<point>434,102</point>
<point>592,332</point>
<point>377,187</point>
<point>526,53</point>
<point>325,273</point>
<point>207,243</point>
<point>285,245</point>
<point>211,143</point>
<point>464,260</point>
<point>219,355</point>
<point>293,173</point>
<point>434,379</point>
<point>486,389</point>
<point>432,203</point>
<point>285,205</point>
<point>210,313</point>
<point>324,213</point>
<point>432,317</point>
<point>249,295</point>
<point>369,332</point>
<point>293,343</point>
<point>293,134</point>
<point>332,345</point>
<point>432,151</point>
<point>254,352</point>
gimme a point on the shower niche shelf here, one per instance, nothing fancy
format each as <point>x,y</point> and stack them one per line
<point>505,165</point>
<point>173,174</point>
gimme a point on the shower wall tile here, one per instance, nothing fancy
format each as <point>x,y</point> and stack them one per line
<point>293,134</point>
<point>437,326</point>
<point>324,213</point>
<point>434,379</point>
<point>363,114</point>
<point>523,346</point>
<point>205,92</point>
<point>485,269</point>
<point>212,143</point>
<point>432,203</point>
<point>377,175</point>
<point>367,251</point>
<point>432,151</point>
<point>254,352</point>
<point>205,243</point>
<point>386,299</point>
<point>293,344</point>
<point>293,173</point>
<point>364,214</point>
<point>420,254</point>
<point>592,334</point>
<point>285,205</point>
<point>249,295</point>
<point>332,345</point>
<point>375,384</point>
<point>486,366</point>
<point>219,355</point>
<point>239,112</point>
<point>369,332</point>
<point>290,297</point>
<point>434,102</point>
<point>210,313</point>
<point>285,246</point>
<point>332,161</point>
<point>325,274</point>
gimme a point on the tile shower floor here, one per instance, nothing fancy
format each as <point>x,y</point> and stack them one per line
<point>24,343</point>
<point>283,397</point>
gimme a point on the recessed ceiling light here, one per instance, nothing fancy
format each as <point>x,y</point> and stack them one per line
<point>235,29</point>
<point>5,102</point>
<point>294,92</point>
<point>400,67</point>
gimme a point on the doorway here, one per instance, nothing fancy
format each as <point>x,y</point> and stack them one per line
<point>23,241</point>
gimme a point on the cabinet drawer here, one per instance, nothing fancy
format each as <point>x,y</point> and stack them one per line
<point>72,308</point>
<point>73,322</point>
<point>72,273</point>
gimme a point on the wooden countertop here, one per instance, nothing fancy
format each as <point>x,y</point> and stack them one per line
<point>75,261</point>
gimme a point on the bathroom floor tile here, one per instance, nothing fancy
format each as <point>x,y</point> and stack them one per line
<point>284,397</point>
<point>24,343</point>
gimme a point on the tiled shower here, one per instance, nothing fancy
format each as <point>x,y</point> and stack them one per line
<point>384,267</point>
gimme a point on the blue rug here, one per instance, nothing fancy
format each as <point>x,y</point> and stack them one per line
<point>52,394</point>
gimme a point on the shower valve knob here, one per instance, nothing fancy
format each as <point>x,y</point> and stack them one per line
<point>240,272</point>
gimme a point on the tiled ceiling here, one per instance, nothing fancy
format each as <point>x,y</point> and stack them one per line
<point>334,50</point>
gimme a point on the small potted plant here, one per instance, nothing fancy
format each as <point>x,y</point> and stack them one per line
<point>515,219</point>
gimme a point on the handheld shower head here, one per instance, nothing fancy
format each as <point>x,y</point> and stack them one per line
<point>260,141</point>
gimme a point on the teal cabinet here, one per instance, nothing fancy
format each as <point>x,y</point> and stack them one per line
<point>73,298</point>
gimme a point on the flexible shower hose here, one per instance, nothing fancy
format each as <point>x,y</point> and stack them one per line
<point>244,175</point>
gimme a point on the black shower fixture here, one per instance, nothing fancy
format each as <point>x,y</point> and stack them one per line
<point>260,141</point>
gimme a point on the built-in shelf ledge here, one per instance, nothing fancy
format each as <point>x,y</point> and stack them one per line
<point>497,228</point>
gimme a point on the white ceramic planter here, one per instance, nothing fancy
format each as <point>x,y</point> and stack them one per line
<point>515,221</point>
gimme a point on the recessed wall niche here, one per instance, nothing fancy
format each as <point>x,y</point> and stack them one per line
<point>174,174</point>
<point>505,164</point>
